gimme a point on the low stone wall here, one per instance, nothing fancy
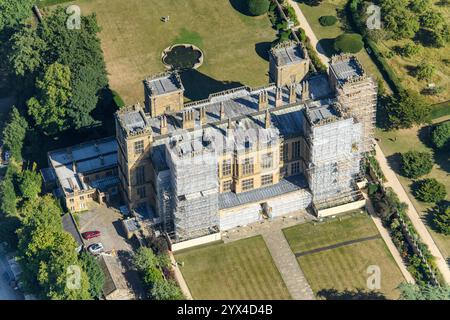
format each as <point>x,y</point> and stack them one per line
<point>186,45</point>
<point>341,209</point>
<point>196,242</point>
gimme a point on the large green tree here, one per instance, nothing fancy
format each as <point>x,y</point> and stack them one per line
<point>416,164</point>
<point>257,7</point>
<point>14,134</point>
<point>13,12</point>
<point>49,108</point>
<point>429,190</point>
<point>94,272</point>
<point>409,291</point>
<point>441,135</point>
<point>30,183</point>
<point>442,218</point>
<point>398,19</point>
<point>406,109</point>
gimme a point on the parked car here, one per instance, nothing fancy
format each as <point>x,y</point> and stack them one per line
<point>90,234</point>
<point>96,248</point>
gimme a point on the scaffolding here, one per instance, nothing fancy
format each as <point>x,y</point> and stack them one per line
<point>193,174</point>
<point>334,154</point>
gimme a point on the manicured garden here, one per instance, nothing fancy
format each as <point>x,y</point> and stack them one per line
<point>133,36</point>
<point>243,269</point>
<point>341,271</point>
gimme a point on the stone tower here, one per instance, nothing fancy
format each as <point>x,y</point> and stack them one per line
<point>288,64</point>
<point>164,93</point>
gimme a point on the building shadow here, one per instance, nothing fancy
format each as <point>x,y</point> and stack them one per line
<point>199,86</point>
<point>239,6</point>
<point>395,162</point>
<point>131,275</point>
<point>262,49</point>
<point>357,294</point>
<point>326,47</point>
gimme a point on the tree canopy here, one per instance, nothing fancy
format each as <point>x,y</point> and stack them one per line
<point>441,135</point>
<point>429,190</point>
<point>442,218</point>
<point>349,43</point>
<point>14,134</point>
<point>257,7</point>
<point>406,109</point>
<point>416,164</point>
<point>409,291</point>
<point>13,13</point>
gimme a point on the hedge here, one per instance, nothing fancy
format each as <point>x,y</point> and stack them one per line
<point>118,100</point>
<point>327,21</point>
<point>349,43</point>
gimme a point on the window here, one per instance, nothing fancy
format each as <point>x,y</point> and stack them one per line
<point>140,175</point>
<point>295,168</point>
<point>247,184</point>
<point>266,180</point>
<point>139,147</point>
<point>286,152</point>
<point>296,149</point>
<point>226,186</point>
<point>248,167</point>
<point>141,192</point>
<point>267,161</point>
<point>71,200</point>
<point>281,152</point>
<point>226,167</point>
<point>81,198</point>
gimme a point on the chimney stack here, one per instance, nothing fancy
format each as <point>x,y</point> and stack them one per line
<point>292,94</point>
<point>222,111</point>
<point>305,91</point>
<point>278,97</point>
<point>202,113</point>
<point>163,125</point>
<point>267,122</point>
<point>262,103</point>
<point>188,119</point>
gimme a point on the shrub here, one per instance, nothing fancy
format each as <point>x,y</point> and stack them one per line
<point>442,219</point>
<point>425,71</point>
<point>257,7</point>
<point>429,190</point>
<point>441,135</point>
<point>416,164</point>
<point>349,43</point>
<point>410,50</point>
<point>327,20</point>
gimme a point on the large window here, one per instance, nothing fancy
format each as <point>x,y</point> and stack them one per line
<point>139,147</point>
<point>266,180</point>
<point>247,184</point>
<point>226,168</point>
<point>140,175</point>
<point>141,192</point>
<point>295,168</point>
<point>248,166</point>
<point>285,153</point>
<point>296,150</point>
<point>226,186</point>
<point>267,161</point>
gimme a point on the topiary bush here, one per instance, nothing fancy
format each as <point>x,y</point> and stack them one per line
<point>416,164</point>
<point>441,135</point>
<point>442,219</point>
<point>327,21</point>
<point>429,190</point>
<point>257,7</point>
<point>349,43</point>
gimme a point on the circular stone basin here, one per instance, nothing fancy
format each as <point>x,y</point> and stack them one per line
<point>182,56</point>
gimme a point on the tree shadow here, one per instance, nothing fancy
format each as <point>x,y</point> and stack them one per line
<point>239,6</point>
<point>424,135</point>
<point>424,37</point>
<point>327,45</point>
<point>131,275</point>
<point>411,70</point>
<point>357,294</point>
<point>263,49</point>
<point>199,86</point>
<point>395,162</point>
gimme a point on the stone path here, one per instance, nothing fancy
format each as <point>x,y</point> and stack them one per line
<point>394,183</point>
<point>288,266</point>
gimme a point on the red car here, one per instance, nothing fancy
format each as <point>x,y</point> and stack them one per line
<point>90,234</point>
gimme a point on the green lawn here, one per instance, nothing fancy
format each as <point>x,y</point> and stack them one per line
<point>133,38</point>
<point>399,141</point>
<point>242,269</point>
<point>326,35</point>
<point>345,267</point>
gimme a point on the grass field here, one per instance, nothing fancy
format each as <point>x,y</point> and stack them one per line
<point>133,37</point>
<point>345,267</point>
<point>326,35</point>
<point>239,270</point>
<point>394,142</point>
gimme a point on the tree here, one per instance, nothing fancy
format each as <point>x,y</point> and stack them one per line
<point>425,71</point>
<point>47,253</point>
<point>410,49</point>
<point>13,13</point>
<point>30,184</point>
<point>409,291</point>
<point>349,42</point>
<point>441,135</point>
<point>419,6</point>
<point>144,258</point>
<point>257,7</point>
<point>14,134</point>
<point>327,20</point>
<point>429,190</point>
<point>406,109</point>
<point>49,108</point>
<point>442,219</point>
<point>398,19</point>
<point>416,164</point>
<point>8,199</point>
<point>432,19</point>
<point>313,3</point>
<point>94,272</point>
<point>166,290</point>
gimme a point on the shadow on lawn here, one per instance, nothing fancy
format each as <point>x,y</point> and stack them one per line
<point>441,156</point>
<point>199,86</point>
<point>239,6</point>
<point>262,49</point>
<point>357,294</point>
<point>328,47</point>
<point>394,161</point>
